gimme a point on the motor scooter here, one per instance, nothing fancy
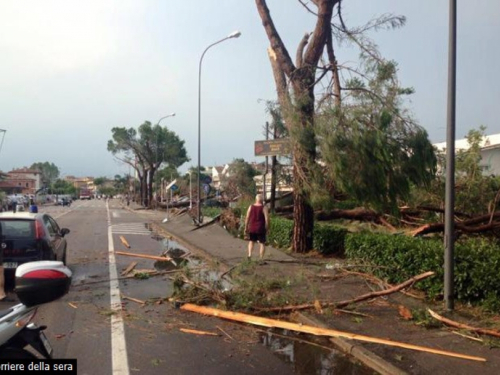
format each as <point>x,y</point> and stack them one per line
<point>37,283</point>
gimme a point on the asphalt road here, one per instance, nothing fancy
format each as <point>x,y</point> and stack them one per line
<point>108,334</point>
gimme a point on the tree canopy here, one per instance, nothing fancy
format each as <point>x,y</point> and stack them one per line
<point>49,172</point>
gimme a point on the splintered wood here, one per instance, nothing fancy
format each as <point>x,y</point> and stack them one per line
<point>144,256</point>
<point>124,242</point>
<point>273,323</point>
<point>451,323</point>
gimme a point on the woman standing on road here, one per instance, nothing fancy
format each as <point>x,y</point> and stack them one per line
<point>257,225</point>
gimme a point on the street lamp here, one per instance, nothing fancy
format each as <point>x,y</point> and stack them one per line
<point>234,34</point>
<point>190,191</point>
<point>158,124</point>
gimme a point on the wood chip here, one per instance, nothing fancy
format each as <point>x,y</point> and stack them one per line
<point>72,305</point>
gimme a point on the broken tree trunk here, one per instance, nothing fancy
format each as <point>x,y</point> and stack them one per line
<point>361,214</point>
<point>345,303</point>
<point>452,323</point>
<point>273,323</point>
<point>483,223</point>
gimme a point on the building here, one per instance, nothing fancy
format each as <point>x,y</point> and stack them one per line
<point>490,152</point>
<point>21,181</point>
<point>81,182</point>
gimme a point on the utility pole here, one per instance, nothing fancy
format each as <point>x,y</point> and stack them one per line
<point>449,223</point>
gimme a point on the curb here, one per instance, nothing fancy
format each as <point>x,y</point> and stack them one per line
<point>362,354</point>
<point>191,247</point>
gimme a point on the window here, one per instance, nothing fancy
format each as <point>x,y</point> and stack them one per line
<point>17,229</point>
<point>48,225</point>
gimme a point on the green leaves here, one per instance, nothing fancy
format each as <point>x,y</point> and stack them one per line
<point>476,264</point>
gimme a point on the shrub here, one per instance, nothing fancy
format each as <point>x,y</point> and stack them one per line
<point>476,263</point>
<point>280,232</point>
<point>329,239</point>
<point>211,211</point>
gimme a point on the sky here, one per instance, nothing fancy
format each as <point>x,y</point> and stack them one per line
<point>71,70</point>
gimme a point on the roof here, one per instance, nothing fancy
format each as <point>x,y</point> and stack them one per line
<point>18,215</point>
<point>488,142</point>
<point>25,170</point>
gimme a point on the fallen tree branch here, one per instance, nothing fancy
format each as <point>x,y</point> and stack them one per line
<point>161,259</point>
<point>208,223</point>
<point>196,332</point>
<point>452,323</point>
<point>345,303</point>
<point>139,301</point>
<point>129,268</point>
<point>273,323</point>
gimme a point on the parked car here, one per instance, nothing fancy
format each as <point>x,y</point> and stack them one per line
<point>27,237</point>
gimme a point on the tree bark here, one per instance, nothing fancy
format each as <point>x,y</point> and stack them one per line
<point>301,128</point>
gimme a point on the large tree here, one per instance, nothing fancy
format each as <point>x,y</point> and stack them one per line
<point>354,120</point>
<point>125,147</point>
<point>146,150</point>
<point>49,172</point>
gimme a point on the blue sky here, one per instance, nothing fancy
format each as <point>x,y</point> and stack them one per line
<point>72,70</point>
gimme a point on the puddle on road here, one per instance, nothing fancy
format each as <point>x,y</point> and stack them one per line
<point>311,359</point>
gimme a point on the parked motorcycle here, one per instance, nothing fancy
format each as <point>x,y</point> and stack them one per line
<point>37,283</point>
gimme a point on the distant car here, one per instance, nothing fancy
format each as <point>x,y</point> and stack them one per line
<point>27,237</point>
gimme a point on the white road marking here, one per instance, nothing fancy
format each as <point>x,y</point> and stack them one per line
<point>130,228</point>
<point>119,358</point>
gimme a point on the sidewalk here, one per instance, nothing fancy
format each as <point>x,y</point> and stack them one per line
<point>381,315</point>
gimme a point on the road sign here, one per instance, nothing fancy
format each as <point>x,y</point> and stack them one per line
<point>174,187</point>
<point>171,184</point>
<point>206,188</point>
<point>273,147</point>
<point>207,179</point>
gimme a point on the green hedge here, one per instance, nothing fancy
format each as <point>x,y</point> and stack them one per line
<point>280,232</point>
<point>477,261</point>
<point>328,239</point>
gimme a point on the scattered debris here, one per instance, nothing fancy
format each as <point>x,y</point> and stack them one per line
<point>345,303</point>
<point>405,312</point>
<point>224,332</point>
<point>72,305</point>
<point>124,242</point>
<point>353,313</point>
<point>130,267</point>
<point>216,218</point>
<point>196,332</point>
<point>163,259</point>
<point>482,331</point>
<point>467,336</point>
<point>273,323</point>
<point>139,301</point>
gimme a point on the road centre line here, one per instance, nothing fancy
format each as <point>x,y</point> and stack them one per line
<point>119,358</point>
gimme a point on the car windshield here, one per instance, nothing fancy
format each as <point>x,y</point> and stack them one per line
<point>17,229</point>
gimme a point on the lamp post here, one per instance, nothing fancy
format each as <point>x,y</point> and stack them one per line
<point>234,34</point>
<point>158,124</point>
<point>449,231</point>
<point>190,191</point>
